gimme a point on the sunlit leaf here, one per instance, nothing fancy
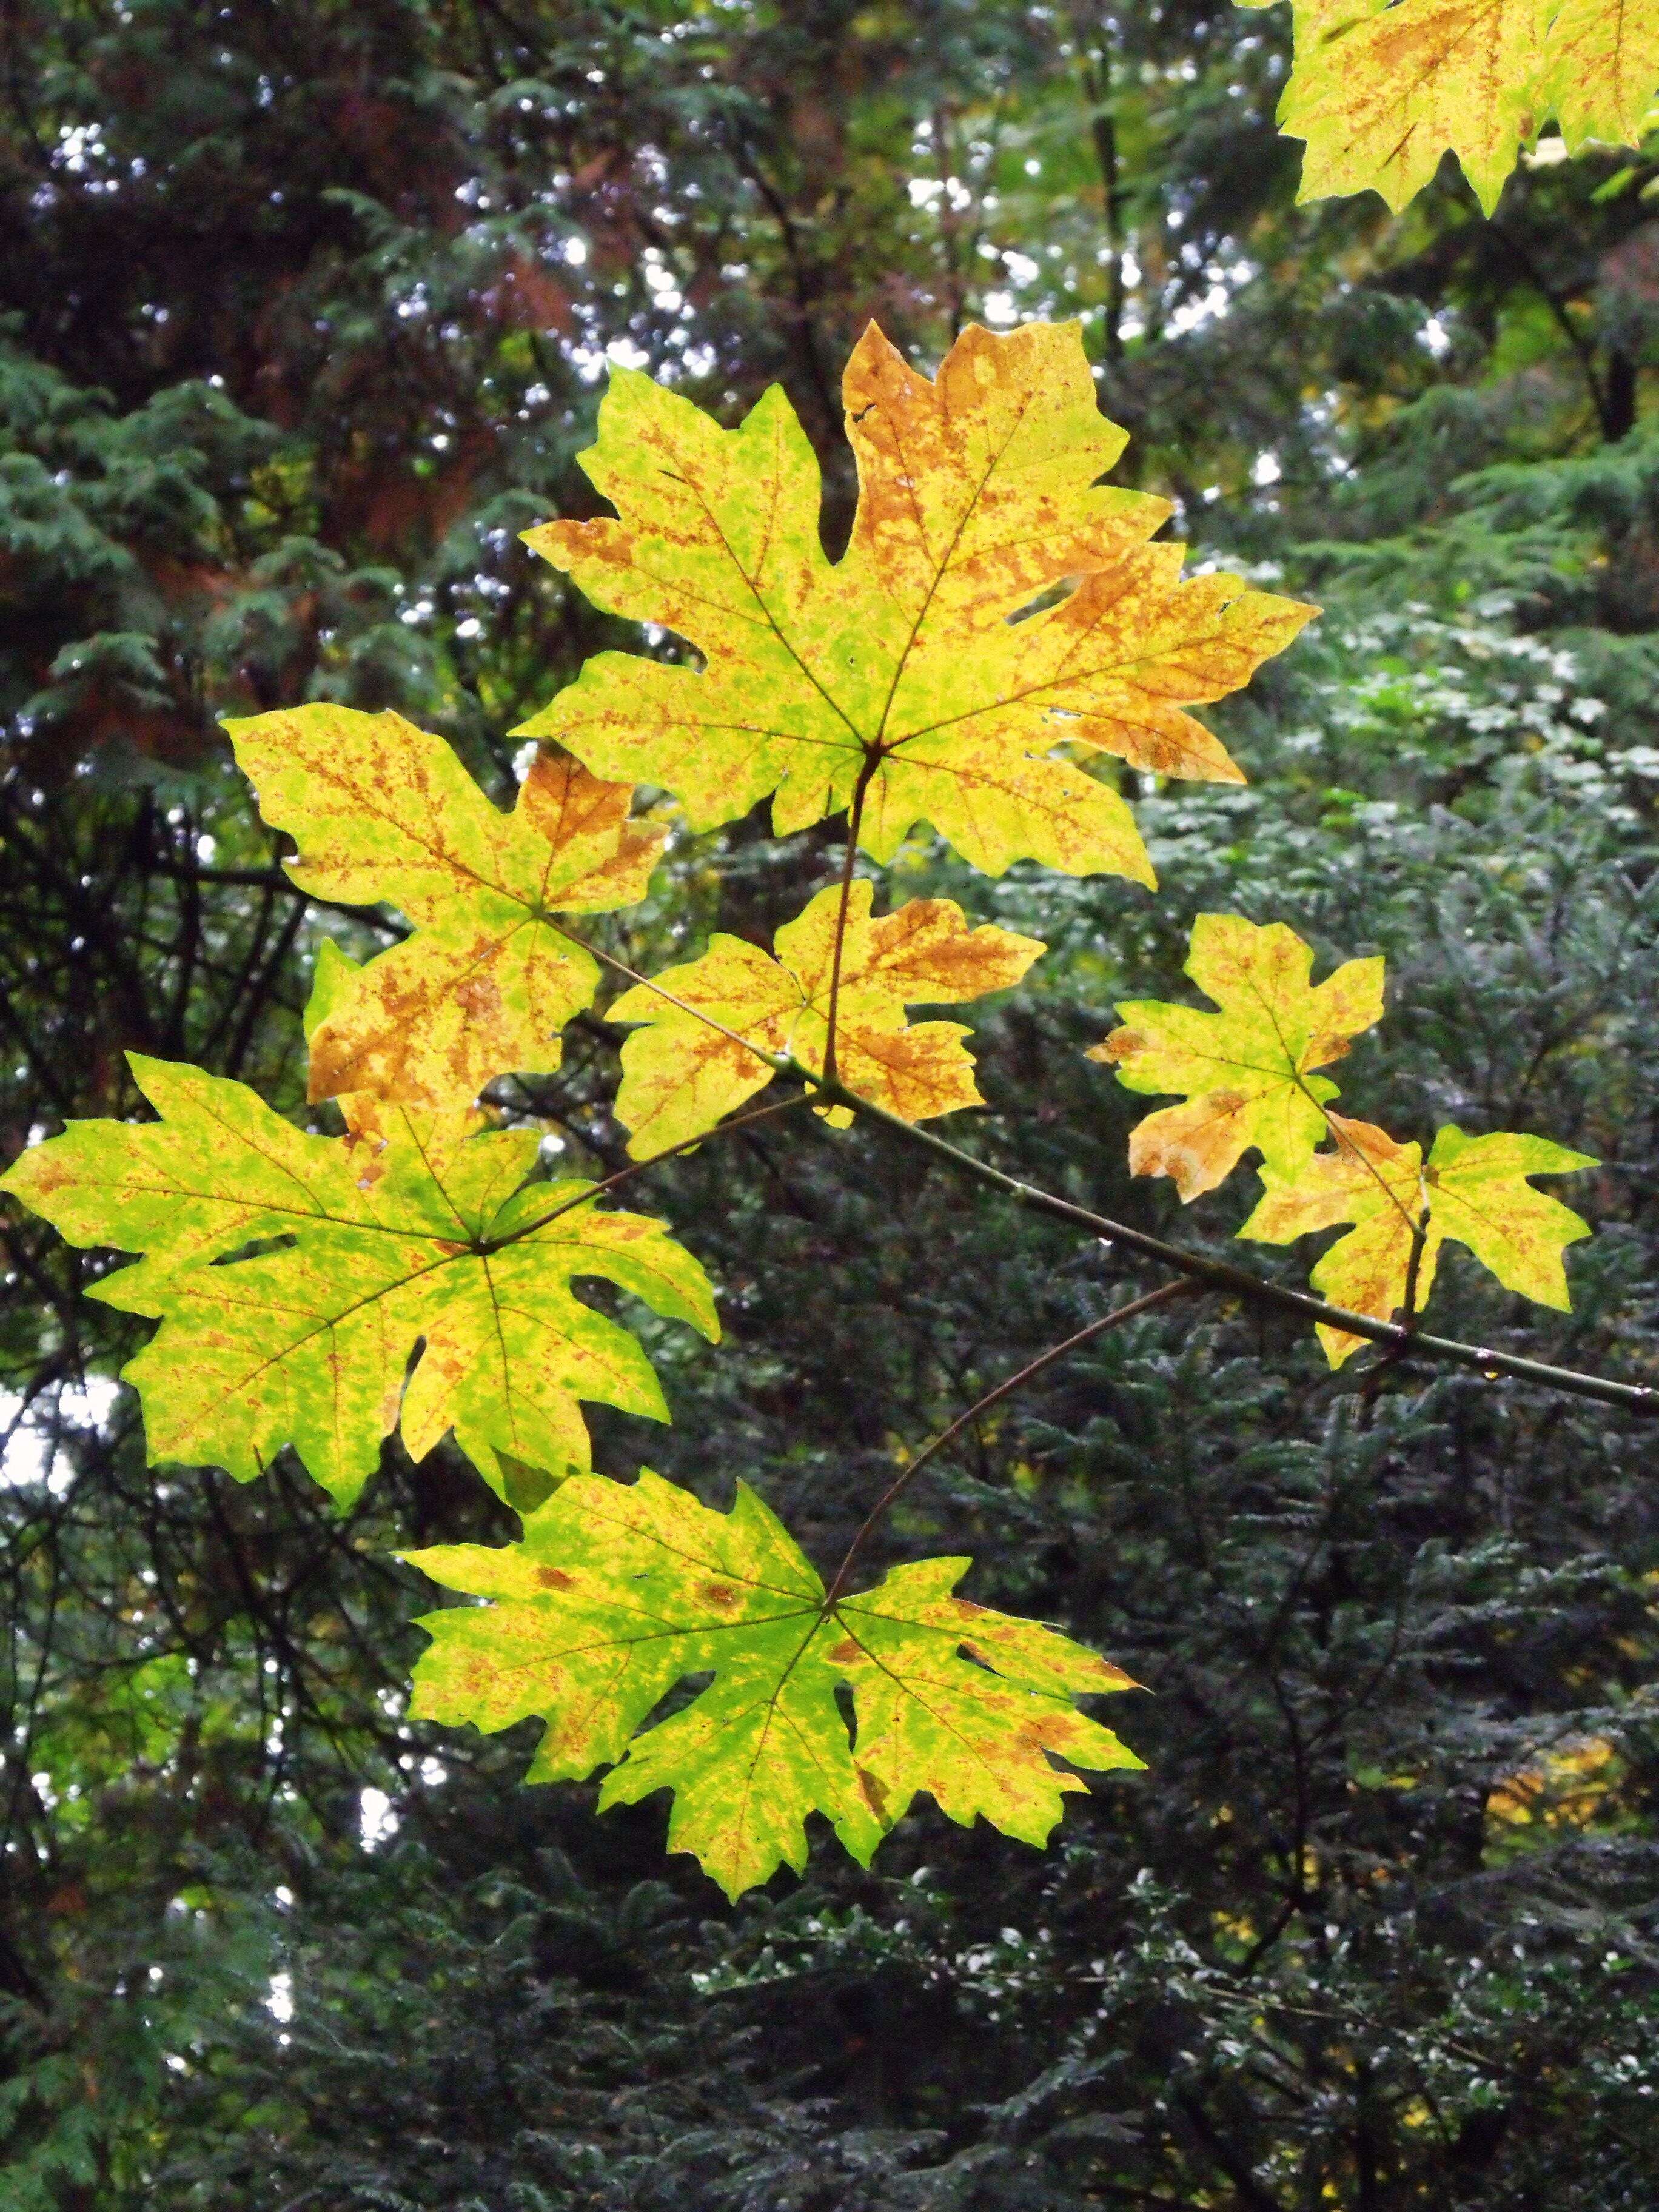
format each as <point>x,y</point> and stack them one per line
<point>1473,1189</point>
<point>618,1592</point>
<point>294,1276</point>
<point>382,811</point>
<point>1382,88</point>
<point>899,671</point>
<point>1247,1069</point>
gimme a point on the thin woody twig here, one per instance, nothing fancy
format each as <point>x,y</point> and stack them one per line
<point>1033,1368</point>
<point>1391,1358</point>
<point>1221,1275</point>
<point>1414,1267</point>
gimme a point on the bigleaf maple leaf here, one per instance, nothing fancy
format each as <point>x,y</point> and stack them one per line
<point>680,1074</point>
<point>617,1592</point>
<point>418,1229</point>
<point>897,680</point>
<point>1473,1189</point>
<point>1382,88</point>
<point>1247,1069</point>
<point>382,810</point>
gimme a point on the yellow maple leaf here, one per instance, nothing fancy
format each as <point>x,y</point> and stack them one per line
<point>899,680</point>
<point>1247,1069</point>
<point>680,1075</point>
<point>320,1292</point>
<point>382,810</point>
<point>618,1591</point>
<point>1473,1189</point>
<point>1382,88</point>
<point>1602,70</point>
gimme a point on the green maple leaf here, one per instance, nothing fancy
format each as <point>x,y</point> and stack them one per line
<point>898,671</point>
<point>1382,88</point>
<point>381,811</point>
<point>1247,1069</point>
<point>680,1075</point>
<point>1473,1189</point>
<point>418,1229</point>
<point>619,1591</point>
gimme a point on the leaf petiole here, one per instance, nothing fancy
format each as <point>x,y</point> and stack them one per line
<point>872,1520</point>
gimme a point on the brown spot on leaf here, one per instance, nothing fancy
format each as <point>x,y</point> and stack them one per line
<point>720,1593</point>
<point>480,995</point>
<point>553,1578</point>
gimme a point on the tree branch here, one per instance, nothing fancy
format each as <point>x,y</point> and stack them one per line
<point>1222,1275</point>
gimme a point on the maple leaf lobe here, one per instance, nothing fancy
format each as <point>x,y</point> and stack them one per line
<point>681,1075</point>
<point>1248,1068</point>
<point>997,461</point>
<point>1382,88</point>
<point>1473,1189</point>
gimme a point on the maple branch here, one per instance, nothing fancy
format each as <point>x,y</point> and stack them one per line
<point>1033,1368</point>
<point>1224,1275</point>
<point>1220,1274</point>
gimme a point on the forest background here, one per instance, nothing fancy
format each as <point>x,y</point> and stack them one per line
<point>304,314</point>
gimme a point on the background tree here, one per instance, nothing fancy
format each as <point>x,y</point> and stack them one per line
<point>307,313</point>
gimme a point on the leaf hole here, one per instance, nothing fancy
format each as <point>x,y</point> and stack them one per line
<point>1050,596</point>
